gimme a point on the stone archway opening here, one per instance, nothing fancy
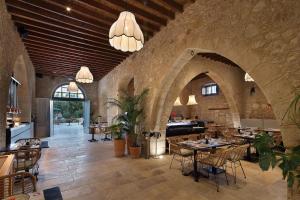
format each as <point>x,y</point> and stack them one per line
<point>230,79</point>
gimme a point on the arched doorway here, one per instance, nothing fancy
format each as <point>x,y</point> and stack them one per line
<point>69,111</point>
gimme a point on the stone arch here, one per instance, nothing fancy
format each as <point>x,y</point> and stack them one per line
<point>219,72</point>
<point>23,92</point>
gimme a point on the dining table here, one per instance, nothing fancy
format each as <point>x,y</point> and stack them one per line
<point>203,145</point>
<point>249,138</point>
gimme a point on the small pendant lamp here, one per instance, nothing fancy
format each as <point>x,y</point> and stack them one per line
<point>125,34</point>
<point>177,102</point>
<point>192,100</point>
<point>72,87</point>
<point>84,75</point>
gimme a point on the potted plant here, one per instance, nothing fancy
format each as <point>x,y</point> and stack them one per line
<point>119,142</point>
<point>288,161</point>
<point>131,117</point>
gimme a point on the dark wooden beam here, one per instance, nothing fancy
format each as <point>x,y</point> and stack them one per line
<point>137,11</point>
<point>156,7</point>
<point>101,8</point>
<point>174,4</point>
<point>71,46</point>
<point>46,16</point>
<point>69,57</point>
<point>56,51</point>
<point>59,47</point>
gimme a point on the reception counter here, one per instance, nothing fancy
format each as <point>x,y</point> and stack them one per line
<point>22,131</point>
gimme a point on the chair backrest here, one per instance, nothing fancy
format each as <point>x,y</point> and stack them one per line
<point>26,158</point>
<point>221,156</point>
<point>238,152</point>
<point>18,183</point>
<point>29,141</point>
<point>175,148</point>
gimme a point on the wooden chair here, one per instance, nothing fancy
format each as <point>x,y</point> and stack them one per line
<point>178,151</point>
<point>26,160</point>
<point>235,159</point>
<point>216,161</point>
<point>18,183</point>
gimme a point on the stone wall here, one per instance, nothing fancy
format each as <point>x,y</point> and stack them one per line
<point>262,37</point>
<point>46,85</point>
<point>14,59</point>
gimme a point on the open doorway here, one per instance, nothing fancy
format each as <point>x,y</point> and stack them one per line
<point>69,112</point>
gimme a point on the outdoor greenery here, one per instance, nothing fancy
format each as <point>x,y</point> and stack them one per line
<point>289,161</point>
<point>68,109</point>
<point>132,113</point>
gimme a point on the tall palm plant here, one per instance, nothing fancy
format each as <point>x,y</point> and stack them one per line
<point>132,112</point>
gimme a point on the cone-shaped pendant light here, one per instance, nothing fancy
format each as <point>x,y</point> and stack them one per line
<point>84,75</point>
<point>192,100</point>
<point>177,102</point>
<point>125,34</point>
<point>72,87</point>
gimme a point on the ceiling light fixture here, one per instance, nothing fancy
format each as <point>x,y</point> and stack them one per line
<point>177,102</point>
<point>72,87</point>
<point>192,100</point>
<point>84,75</point>
<point>125,34</point>
<point>68,9</point>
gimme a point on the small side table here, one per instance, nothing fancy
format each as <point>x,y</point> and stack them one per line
<point>92,131</point>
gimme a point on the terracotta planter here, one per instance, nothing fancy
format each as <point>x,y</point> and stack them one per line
<point>135,152</point>
<point>119,146</point>
<point>129,142</point>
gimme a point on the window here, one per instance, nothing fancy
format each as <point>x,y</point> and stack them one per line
<point>210,89</point>
<point>63,93</point>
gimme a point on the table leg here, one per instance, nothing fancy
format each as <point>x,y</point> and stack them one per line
<point>93,138</point>
<point>196,175</point>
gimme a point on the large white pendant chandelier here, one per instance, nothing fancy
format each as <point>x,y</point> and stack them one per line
<point>125,34</point>
<point>84,75</point>
<point>177,102</point>
<point>248,78</point>
<point>192,100</point>
<point>72,87</point>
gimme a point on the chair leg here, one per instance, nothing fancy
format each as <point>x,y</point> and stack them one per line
<point>217,181</point>
<point>172,161</point>
<point>242,169</point>
<point>234,172</point>
<point>224,168</point>
<point>182,163</point>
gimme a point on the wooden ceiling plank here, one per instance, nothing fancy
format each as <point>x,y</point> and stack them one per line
<point>46,44</point>
<point>34,12</point>
<point>26,22</point>
<point>74,46</point>
<point>137,11</point>
<point>56,51</point>
<point>71,38</point>
<point>156,7</point>
<point>35,53</point>
<point>173,4</point>
<point>147,26</point>
<point>80,62</point>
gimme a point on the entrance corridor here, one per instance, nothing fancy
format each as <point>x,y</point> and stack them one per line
<point>85,170</point>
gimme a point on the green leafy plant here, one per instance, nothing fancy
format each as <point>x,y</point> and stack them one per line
<point>116,130</point>
<point>289,161</point>
<point>132,112</point>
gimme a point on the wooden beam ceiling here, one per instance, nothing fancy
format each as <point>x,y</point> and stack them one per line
<point>59,42</point>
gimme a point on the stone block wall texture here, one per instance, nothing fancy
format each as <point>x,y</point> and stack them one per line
<point>46,85</point>
<point>14,59</point>
<point>262,37</point>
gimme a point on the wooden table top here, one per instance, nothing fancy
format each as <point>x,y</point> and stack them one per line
<point>201,144</point>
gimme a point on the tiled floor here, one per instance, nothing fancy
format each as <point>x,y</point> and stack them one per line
<point>85,170</point>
